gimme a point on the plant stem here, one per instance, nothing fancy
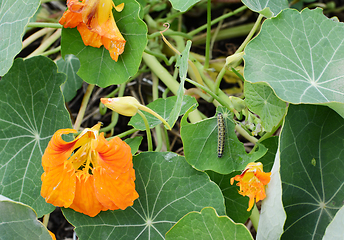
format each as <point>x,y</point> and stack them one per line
<point>170,33</point>
<point>208,37</point>
<point>46,44</point>
<point>251,33</point>
<point>227,33</point>
<point>255,217</point>
<point>158,130</point>
<point>210,93</point>
<point>224,16</point>
<point>126,133</point>
<point>235,58</point>
<point>245,134</point>
<point>43,25</point>
<point>161,72</point>
<point>52,51</point>
<point>115,115</point>
<point>36,35</point>
<point>83,106</point>
<point>149,135</point>
<point>166,78</point>
<point>159,55</point>
<point>114,120</point>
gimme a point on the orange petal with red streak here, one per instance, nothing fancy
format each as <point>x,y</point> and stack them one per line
<point>73,16</point>
<point>58,150</point>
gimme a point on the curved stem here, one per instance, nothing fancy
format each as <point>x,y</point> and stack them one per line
<point>126,133</point>
<point>149,135</point>
<point>250,35</point>
<point>83,106</point>
<point>52,51</point>
<point>36,35</point>
<point>210,93</point>
<point>233,59</point>
<point>170,33</point>
<point>114,120</point>
<point>166,78</point>
<point>159,55</point>
<point>245,134</point>
<point>114,117</point>
<point>46,44</point>
<point>161,72</point>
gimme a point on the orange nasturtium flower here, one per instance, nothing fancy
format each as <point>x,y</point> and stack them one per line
<point>96,24</point>
<point>252,182</point>
<point>88,174</point>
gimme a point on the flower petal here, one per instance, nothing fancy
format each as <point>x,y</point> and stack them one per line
<point>52,235</point>
<point>88,37</point>
<point>114,176</point>
<point>72,17</point>
<point>263,177</point>
<point>115,47</point>
<point>58,185</point>
<point>85,200</point>
<point>58,150</point>
<point>115,193</point>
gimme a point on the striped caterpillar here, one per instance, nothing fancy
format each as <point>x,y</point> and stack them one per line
<point>221,135</point>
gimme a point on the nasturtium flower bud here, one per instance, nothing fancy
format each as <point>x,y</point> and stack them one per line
<point>126,106</point>
<point>129,106</point>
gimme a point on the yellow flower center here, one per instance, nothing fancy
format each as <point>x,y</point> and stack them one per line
<point>84,159</point>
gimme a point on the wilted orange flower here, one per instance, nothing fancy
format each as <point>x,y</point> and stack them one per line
<point>252,182</point>
<point>88,174</point>
<point>96,24</point>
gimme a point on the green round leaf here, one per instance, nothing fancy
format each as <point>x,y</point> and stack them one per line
<point>134,143</point>
<point>32,109</point>
<point>312,164</point>
<point>261,100</point>
<point>207,225</point>
<point>168,188</point>
<point>15,15</point>
<point>183,5</point>
<point>300,55</point>
<point>70,66</point>
<point>268,8</point>
<point>19,221</point>
<point>97,67</point>
<point>200,146</point>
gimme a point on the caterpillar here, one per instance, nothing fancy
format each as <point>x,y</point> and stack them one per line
<point>221,135</point>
